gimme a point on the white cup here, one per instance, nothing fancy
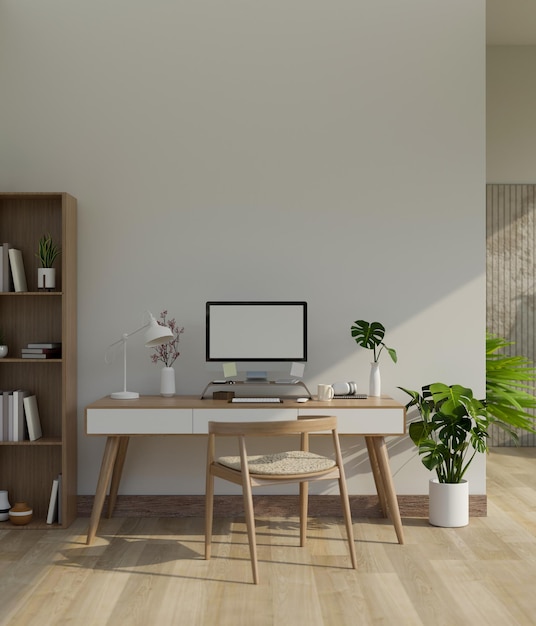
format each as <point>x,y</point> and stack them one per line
<point>325,393</point>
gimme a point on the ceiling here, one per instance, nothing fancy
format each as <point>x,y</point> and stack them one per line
<point>511,22</point>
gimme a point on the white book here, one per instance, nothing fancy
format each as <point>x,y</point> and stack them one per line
<point>41,350</point>
<point>52,514</point>
<point>32,418</point>
<point>10,416</point>
<point>18,414</point>
<point>17,270</point>
<point>1,417</point>
<point>5,413</point>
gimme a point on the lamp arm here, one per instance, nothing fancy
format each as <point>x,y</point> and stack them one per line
<point>152,339</point>
<point>126,336</point>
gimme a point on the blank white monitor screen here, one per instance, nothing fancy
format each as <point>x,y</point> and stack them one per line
<point>256,331</point>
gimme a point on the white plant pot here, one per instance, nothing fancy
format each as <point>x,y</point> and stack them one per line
<point>4,506</point>
<point>167,382</point>
<point>3,351</point>
<point>46,277</point>
<point>448,504</point>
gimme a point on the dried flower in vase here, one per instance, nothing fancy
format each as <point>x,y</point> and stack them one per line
<point>168,352</point>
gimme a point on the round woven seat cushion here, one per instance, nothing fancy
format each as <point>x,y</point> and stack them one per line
<point>281,463</point>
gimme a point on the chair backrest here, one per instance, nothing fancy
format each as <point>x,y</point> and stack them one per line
<point>313,424</point>
<point>303,426</point>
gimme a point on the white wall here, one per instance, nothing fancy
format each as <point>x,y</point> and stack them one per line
<point>511,119</point>
<point>297,149</point>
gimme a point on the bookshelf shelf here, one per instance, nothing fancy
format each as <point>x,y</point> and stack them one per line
<point>35,524</point>
<point>22,294</point>
<point>27,468</point>
<point>44,441</point>
<point>8,359</point>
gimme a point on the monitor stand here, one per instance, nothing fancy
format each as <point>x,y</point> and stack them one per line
<point>256,376</point>
<point>289,383</point>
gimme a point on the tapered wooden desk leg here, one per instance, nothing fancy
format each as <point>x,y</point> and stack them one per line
<point>378,481</point>
<point>389,487</point>
<point>107,466</point>
<point>116,475</point>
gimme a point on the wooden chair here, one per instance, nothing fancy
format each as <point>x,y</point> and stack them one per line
<point>298,466</point>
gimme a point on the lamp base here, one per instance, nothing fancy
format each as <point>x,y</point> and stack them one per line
<point>125,395</point>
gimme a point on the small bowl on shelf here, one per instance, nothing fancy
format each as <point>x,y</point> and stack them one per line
<point>20,514</point>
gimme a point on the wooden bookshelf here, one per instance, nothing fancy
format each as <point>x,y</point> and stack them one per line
<point>27,468</point>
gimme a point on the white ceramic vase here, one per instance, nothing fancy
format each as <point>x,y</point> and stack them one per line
<point>375,381</point>
<point>167,382</point>
<point>448,504</point>
<point>3,351</point>
<point>4,506</point>
<point>46,277</point>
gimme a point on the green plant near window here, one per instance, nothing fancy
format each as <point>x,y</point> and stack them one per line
<point>509,387</point>
<point>370,335</point>
<point>47,251</point>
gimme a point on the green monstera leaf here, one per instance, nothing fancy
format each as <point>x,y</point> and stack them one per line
<point>370,335</point>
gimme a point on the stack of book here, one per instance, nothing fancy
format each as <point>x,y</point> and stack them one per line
<point>43,350</point>
<point>19,416</point>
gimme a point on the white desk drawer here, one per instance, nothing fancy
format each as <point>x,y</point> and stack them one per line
<point>139,422</point>
<point>378,421</point>
<point>203,416</point>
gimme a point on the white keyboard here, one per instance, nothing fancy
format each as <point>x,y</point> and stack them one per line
<point>270,400</point>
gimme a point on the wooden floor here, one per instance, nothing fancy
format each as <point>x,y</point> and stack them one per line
<point>151,571</point>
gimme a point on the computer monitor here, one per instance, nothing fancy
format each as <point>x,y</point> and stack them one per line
<point>256,331</point>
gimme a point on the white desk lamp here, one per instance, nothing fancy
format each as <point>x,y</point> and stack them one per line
<point>154,336</point>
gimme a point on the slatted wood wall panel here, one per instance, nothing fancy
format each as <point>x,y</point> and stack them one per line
<point>511,275</point>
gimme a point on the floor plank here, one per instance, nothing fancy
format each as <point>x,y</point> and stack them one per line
<point>152,570</point>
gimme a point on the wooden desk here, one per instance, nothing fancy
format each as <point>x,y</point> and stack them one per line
<point>118,420</point>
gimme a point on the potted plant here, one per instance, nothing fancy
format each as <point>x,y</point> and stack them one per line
<point>47,252</point>
<point>452,428</point>
<point>370,336</point>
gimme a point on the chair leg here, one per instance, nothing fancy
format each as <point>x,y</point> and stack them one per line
<point>348,520</point>
<point>250,524</point>
<point>209,513</point>
<point>304,498</point>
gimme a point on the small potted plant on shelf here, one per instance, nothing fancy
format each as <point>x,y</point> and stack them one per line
<point>370,336</point>
<point>47,252</point>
